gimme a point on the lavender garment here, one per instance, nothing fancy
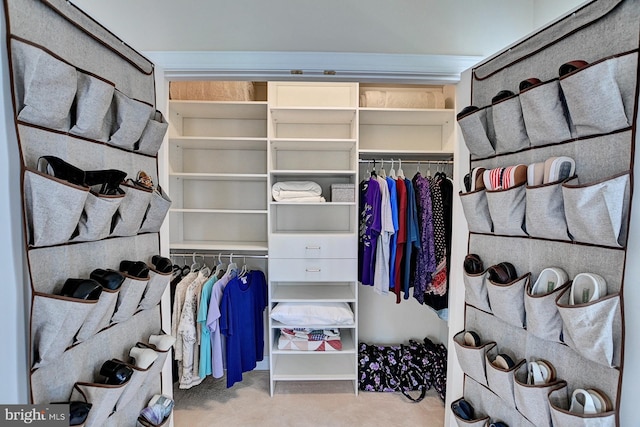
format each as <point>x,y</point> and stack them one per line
<point>426,260</point>
<point>370,227</point>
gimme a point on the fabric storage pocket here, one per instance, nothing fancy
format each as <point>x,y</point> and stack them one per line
<point>472,359</point>
<point>544,113</point>
<point>133,385</point>
<point>507,300</point>
<point>544,213</point>
<point>598,212</point>
<point>130,117</point>
<point>97,216</point>
<point>543,318</point>
<point>53,208</point>
<point>508,123</point>
<point>92,106</point>
<point>594,99</point>
<point>155,289</point>
<point>532,401</point>
<point>507,210</point>
<point>477,130</point>
<point>152,135</point>
<point>155,369</point>
<point>500,380</point>
<point>49,86</point>
<point>589,328</point>
<point>129,297</point>
<point>475,287</point>
<point>103,398</point>
<point>158,207</point>
<point>55,321</point>
<point>476,211</point>
<point>560,415</point>
<point>100,316</point>
<point>131,212</point>
<point>478,421</point>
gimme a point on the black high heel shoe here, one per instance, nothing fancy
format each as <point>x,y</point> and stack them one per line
<point>109,279</point>
<point>115,372</point>
<point>86,289</point>
<point>57,167</point>
<point>162,264</point>
<point>109,181</point>
<point>135,268</point>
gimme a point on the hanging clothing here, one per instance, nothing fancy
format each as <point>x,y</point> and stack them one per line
<point>413,239</point>
<point>426,261</point>
<point>205,335</point>
<point>181,291</point>
<point>393,199</point>
<point>401,236</point>
<point>439,280</point>
<point>370,228</point>
<point>213,321</point>
<point>381,271</point>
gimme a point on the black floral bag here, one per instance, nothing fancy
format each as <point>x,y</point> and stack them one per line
<point>404,368</point>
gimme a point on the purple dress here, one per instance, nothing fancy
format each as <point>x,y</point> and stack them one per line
<point>370,226</point>
<point>426,259</point>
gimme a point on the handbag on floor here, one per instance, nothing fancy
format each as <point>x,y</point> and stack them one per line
<point>403,368</point>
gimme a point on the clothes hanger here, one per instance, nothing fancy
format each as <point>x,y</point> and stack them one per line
<point>373,171</point>
<point>392,172</point>
<point>185,269</point>
<point>220,267</point>
<point>382,172</point>
<point>243,270</point>
<point>400,171</point>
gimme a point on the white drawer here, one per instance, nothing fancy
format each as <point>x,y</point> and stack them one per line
<point>313,270</point>
<point>313,246</point>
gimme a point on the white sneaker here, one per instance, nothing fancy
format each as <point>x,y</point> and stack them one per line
<point>549,279</point>
<point>587,287</point>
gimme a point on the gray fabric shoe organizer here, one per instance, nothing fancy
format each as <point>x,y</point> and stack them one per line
<point>531,400</point>
<point>93,103</point>
<point>544,216</point>
<point>499,380</point>
<point>545,115</point>
<point>507,209</point>
<point>156,286</point>
<point>130,118</point>
<point>95,221</point>
<point>477,131</point>
<point>157,210</point>
<point>472,359</point>
<point>475,290</point>
<point>560,415</point>
<point>100,316</point>
<point>103,398</point>
<point>507,301</point>
<point>132,210</point>
<point>476,211</point>
<point>129,297</point>
<point>543,318</point>
<point>152,135</point>
<point>508,123</point>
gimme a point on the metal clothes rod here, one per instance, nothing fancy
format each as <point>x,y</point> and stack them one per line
<point>408,162</point>
<point>216,255</point>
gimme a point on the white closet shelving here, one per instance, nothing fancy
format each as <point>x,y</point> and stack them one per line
<point>218,175</point>
<point>313,133</point>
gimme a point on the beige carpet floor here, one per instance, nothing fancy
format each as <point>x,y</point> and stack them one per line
<point>308,404</point>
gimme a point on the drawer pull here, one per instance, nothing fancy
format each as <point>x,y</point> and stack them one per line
<point>313,270</point>
<point>313,247</point>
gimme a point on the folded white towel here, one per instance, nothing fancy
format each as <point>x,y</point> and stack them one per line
<point>308,199</point>
<point>287,190</point>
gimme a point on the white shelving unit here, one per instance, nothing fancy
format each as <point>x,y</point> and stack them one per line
<point>218,175</point>
<point>313,133</point>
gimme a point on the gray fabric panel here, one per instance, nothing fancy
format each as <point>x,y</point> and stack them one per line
<point>507,209</point>
<point>480,421</point>
<point>488,403</point>
<point>155,288</point>
<point>49,273</point>
<point>509,339</point>
<point>45,87</point>
<point>476,211</point>
<point>475,288</point>
<point>131,211</point>
<point>102,398</point>
<point>34,21</point>
<point>132,388</point>
<point>617,32</point>
<point>589,328</point>
<point>598,213</point>
<point>475,132</point>
<point>85,155</point>
<point>507,301</point>
<point>508,123</point>
<point>53,208</point>
<point>626,68</point>
<point>100,315</point>
<point>544,215</point>
<point>129,297</point>
<point>593,99</point>
<point>55,321</point>
<point>153,135</point>
<point>596,158</point>
<point>562,417</point>
<point>471,359</point>
<point>82,362</point>
<point>532,401</point>
<point>95,221</point>
<point>128,415</point>
<point>93,101</point>
<point>500,381</point>
<point>545,115</point>
<point>129,120</point>
<point>543,318</point>
<point>158,207</point>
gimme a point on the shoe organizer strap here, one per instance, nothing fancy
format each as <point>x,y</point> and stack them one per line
<point>103,398</point>
<point>100,316</point>
<point>532,401</point>
<point>543,318</point>
<point>561,416</point>
<point>92,107</point>
<point>156,286</point>
<point>545,115</point>
<point>475,290</point>
<point>507,300</point>
<point>476,211</point>
<point>53,208</point>
<point>55,321</point>
<point>131,292</point>
<point>472,359</point>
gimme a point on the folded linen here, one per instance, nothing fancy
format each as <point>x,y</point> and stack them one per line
<point>286,190</point>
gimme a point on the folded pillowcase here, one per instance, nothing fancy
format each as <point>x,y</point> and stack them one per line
<point>320,313</point>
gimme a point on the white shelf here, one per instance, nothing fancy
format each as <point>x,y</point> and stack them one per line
<point>348,345</point>
<point>310,291</point>
<point>405,117</point>
<point>248,110</point>
<point>219,176</point>
<point>313,115</point>
<point>294,367</point>
<point>220,211</point>
<point>277,325</point>
<point>218,143</point>
<point>315,144</point>
<point>198,245</point>
<point>405,154</point>
<point>272,203</point>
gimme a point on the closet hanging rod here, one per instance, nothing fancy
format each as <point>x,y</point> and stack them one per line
<point>408,162</point>
<point>214,254</point>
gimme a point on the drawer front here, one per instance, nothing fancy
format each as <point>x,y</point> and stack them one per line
<point>313,270</point>
<point>317,246</point>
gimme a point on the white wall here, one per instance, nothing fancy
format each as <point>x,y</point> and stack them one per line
<point>545,11</point>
